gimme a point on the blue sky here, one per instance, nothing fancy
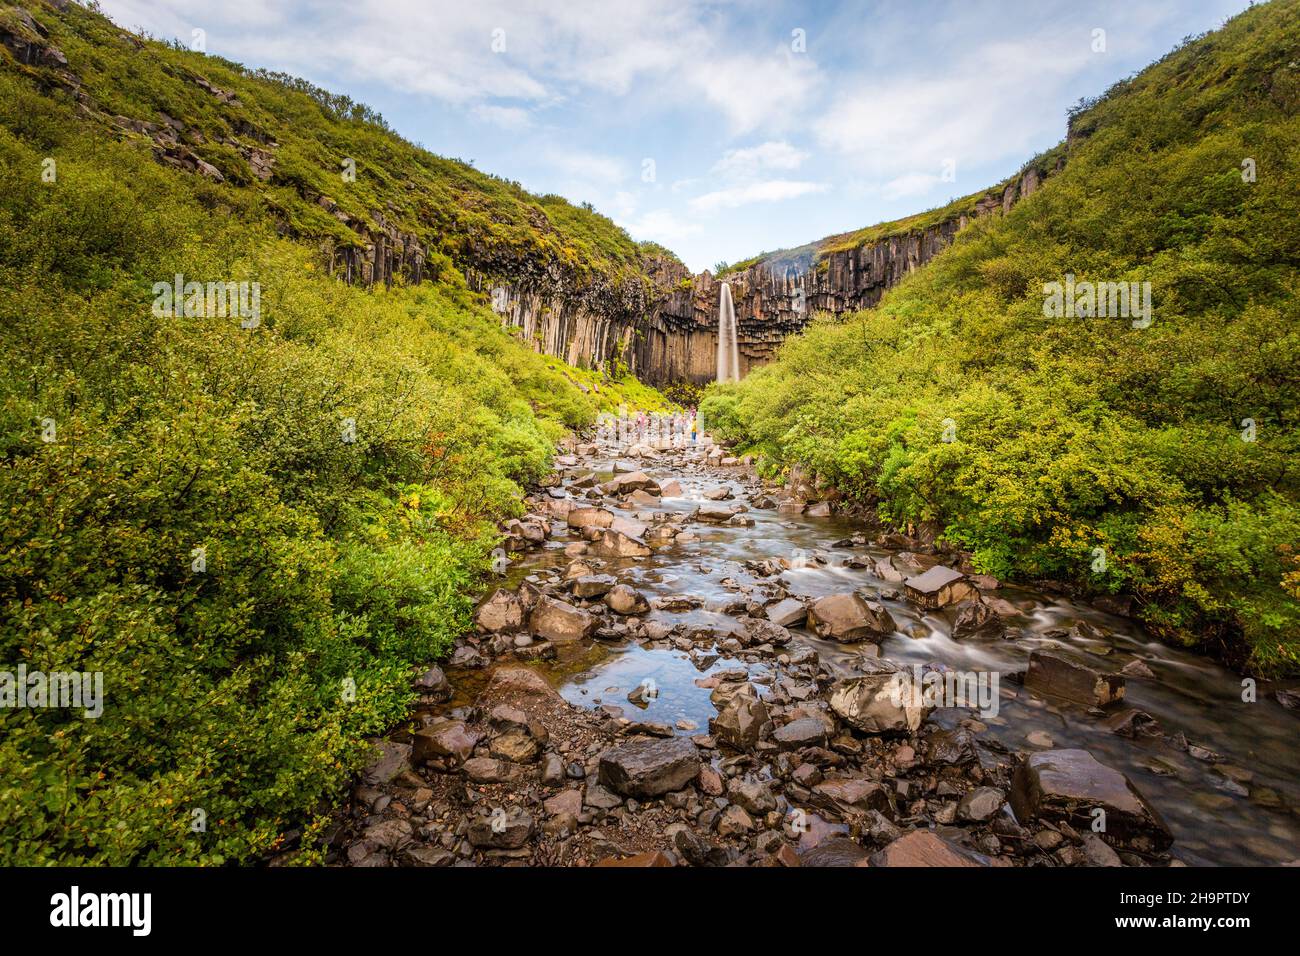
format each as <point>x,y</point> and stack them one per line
<point>717,129</point>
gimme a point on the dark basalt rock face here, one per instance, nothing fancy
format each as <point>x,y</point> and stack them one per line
<point>667,336</point>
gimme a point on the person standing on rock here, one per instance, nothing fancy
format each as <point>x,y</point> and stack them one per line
<point>693,425</point>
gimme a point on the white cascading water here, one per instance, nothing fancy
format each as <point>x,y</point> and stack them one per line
<point>728,351</point>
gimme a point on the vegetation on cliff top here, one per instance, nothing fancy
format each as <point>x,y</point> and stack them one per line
<point>1156,461</point>
<point>252,530</point>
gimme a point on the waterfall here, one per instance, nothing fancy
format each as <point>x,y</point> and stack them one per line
<point>728,352</point>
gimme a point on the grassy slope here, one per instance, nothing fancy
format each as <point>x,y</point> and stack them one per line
<point>1078,434</point>
<point>244,690</point>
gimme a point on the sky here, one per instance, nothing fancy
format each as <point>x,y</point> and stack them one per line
<point>717,129</point>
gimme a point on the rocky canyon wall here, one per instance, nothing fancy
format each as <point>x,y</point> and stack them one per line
<point>674,337</point>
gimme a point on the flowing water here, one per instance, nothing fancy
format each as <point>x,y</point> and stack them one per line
<point>728,350</point>
<point>1238,809</point>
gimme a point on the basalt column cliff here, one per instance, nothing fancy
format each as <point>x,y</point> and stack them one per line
<point>672,335</point>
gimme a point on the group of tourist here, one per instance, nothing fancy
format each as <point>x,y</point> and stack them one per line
<point>655,428</point>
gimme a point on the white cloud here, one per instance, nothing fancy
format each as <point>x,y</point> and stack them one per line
<point>507,117</point>
<point>984,106</point>
<point>668,52</point>
<point>770,190</point>
<point>910,184</point>
<point>732,84</point>
<point>587,168</point>
<point>746,163</point>
<point>660,225</point>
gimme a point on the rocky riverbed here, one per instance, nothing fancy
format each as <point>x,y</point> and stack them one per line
<point>685,666</point>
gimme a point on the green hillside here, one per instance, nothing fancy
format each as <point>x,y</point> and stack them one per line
<point>1171,448</point>
<point>253,525</point>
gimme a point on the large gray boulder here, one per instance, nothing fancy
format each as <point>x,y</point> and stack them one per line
<point>740,722</point>
<point>848,618</point>
<point>787,612</point>
<point>559,622</point>
<point>977,621</point>
<point>1072,785</point>
<point>501,612</point>
<point>502,829</point>
<point>625,599</point>
<point>649,767</point>
<point>886,702</point>
<point>589,518</point>
<point>1057,677</point>
<point>626,484</point>
<point>615,544</point>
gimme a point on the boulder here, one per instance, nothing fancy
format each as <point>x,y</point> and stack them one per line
<point>491,770</point>
<point>451,739</point>
<point>753,796</point>
<point>593,585</point>
<point>952,748</point>
<point>804,732</point>
<point>853,793</point>
<point>976,621</point>
<point>626,484</point>
<point>938,587</point>
<point>848,618</point>
<point>388,760</point>
<point>515,747</point>
<point>758,631</point>
<point>501,612</point>
<point>884,702</point>
<point>715,513</point>
<point>980,804</point>
<point>624,599</point>
<point>740,723</point>
<point>565,802</point>
<point>787,612</point>
<point>433,683</point>
<point>502,829</point>
<point>1069,785</point>
<point>615,544</point>
<point>1055,676</point>
<point>561,623</point>
<point>589,518</point>
<point>649,767</point>
<point>629,527</point>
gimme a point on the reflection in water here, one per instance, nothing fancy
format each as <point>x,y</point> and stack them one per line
<point>1234,811</point>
